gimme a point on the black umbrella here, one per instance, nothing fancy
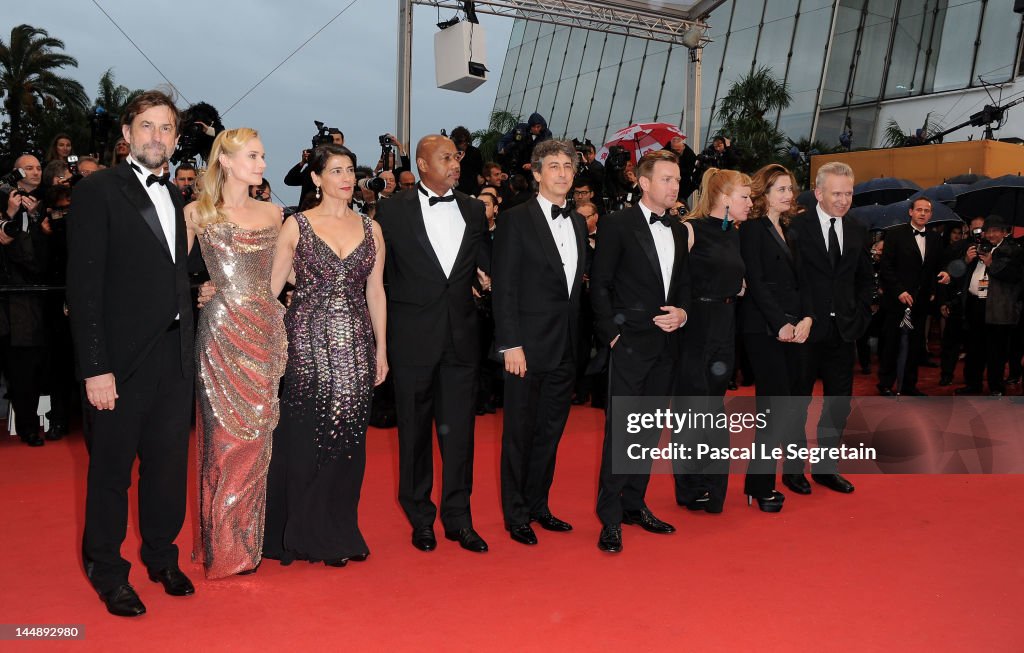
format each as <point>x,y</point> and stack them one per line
<point>944,193</point>
<point>883,190</point>
<point>966,179</point>
<point>899,213</point>
<point>872,216</point>
<point>1003,196</point>
<point>807,199</point>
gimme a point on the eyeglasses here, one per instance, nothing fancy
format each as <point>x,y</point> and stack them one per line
<point>583,192</point>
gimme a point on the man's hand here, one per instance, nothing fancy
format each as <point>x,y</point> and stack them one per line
<point>515,361</point>
<point>972,253</point>
<point>906,298</point>
<point>787,333</point>
<point>13,204</point>
<point>101,391</point>
<point>802,330</point>
<point>944,310</point>
<point>5,239</point>
<point>305,157</point>
<point>206,293</point>
<point>986,259</point>
<point>30,203</point>
<point>943,277</point>
<point>673,318</point>
<point>485,281</point>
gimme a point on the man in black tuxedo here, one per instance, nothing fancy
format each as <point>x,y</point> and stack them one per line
<point>833,257</point>
<point>640,291</point>
<point>436,240</point>
<point>908,274</point>
<point>539,261</point>
<point>131,319</point>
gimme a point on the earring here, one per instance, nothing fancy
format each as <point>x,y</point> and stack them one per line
<point>725,220</point>
<point>227,171</point>
<point>318,192</point>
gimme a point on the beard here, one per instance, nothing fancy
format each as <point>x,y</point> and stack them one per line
<point>153,157</point>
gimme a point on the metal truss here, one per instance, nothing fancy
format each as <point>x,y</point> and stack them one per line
<point>667,22</point>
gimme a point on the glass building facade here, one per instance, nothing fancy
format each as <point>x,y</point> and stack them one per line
<point>841,61</point>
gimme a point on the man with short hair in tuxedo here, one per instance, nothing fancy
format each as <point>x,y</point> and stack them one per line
<point>908,273</point>
<point>833,259</point>
<point>436,239</point>
<point>539,260</point>
<point>640,292</point>
<point>131,319</point>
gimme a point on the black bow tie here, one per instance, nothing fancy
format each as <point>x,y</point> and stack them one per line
<point>558,211</point>
<point>152,179</point>
<point>663,219</point>
<point>434,200</point>
<point>918,233</point>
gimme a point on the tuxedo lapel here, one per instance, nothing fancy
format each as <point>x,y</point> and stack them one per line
<point>542,235</point>
<point>580,228</point>
<point>138,197</point>
<point>779,240</point>
<point>419,230</point>
<point>465,210</point>
<point>646,240</point>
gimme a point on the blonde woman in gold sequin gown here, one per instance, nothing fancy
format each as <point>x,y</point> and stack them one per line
<point>241,349</point>
<point>336,355</point>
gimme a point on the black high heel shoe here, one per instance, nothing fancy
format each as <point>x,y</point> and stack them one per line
<point>768,504</point>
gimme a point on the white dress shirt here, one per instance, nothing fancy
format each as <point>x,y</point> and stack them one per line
<point>445,227</point>
<point>825,220</point>
<point>919,240</point>
<point>979,279</point>
<point>664,243</point>
<point>161,198</point>
<point>565,240</point>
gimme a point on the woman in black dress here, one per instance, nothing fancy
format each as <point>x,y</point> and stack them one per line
<point>708,340</point>
<point>775,321</point>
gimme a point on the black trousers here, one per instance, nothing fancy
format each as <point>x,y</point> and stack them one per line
<point>150,420</point>
<point>705,369</point>
<point>889,347</point>
<point>952,343</point>
<point>25,369</point>
<point>439,395</point>
<point>631,373</point>
<point>988,348</point>
<point>831,360</point>
<point>536,410</point>
<point>779,370</point>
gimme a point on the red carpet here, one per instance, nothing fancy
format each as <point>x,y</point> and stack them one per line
<point>909,563</point>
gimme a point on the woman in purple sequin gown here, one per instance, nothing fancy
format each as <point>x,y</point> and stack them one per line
<point>336,355</point>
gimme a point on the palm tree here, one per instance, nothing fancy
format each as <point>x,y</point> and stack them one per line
<point>487,140</point>
<point>894,136</point>
<point>29,82</point>
<point>742,114</point>
<point>113,97</point>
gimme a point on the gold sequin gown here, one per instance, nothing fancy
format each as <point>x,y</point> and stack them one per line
<point>241,348</point>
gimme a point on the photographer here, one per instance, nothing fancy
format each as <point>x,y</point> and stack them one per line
<point>299,175</point>
<point>24,259</point>
<point>992,304</point>
<point>592,170</point>
<point>57,173</point>
<point>87,165</point>
<point>185,179</point>
<point>472,164</point>
<point>261,193</point>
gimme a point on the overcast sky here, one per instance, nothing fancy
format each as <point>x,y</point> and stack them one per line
<point>216,51</point>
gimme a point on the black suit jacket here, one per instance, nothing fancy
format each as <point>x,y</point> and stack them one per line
<point>533,307</point>
<point>773,298</point>
<point>1005,284</point>
<point>425,308</point>
<point>123,288</point>
<point>845,291</point>
<point>901,268</point>
<point>626,286</point>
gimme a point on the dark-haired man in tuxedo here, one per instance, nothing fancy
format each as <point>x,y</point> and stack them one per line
<point>539,259</point>
<point>908,273</point>
<point>436,239</point>
<point>640,291</point>
<point>833,258</point>
<point>131,319</point>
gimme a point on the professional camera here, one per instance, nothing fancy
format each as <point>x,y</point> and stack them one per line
<point>981,243</point>
<point>376,184</point>
<point>194,141</point>
<point>9,186</point>
<point>9,182</point>
<point>76,176</point>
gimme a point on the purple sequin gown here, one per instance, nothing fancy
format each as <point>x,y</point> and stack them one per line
<point>319,447</point>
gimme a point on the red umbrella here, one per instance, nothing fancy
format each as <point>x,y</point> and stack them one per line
<point>641,138</point>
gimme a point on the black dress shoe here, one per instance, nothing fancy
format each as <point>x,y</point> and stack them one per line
<point>610,540</point>
<point>33,440</point>
<point>647,521</point>
<point>336,562</point>
<point>423,538</point>
<point>468,539</point>
<point>523,534</point>
<point>946,379</point>
<point>884,391</point>
<point>771,503</point>
<point>579,400</point>
<point>549,522</point>
<point>967,390</point>
<point>123,602</point>
<point>705,503</point>
<point>56,433</point>
<point>912,392</point>
<point>359,557</point>
<point>174,581</point>
<point>796,482</point>
<point>833,482</point>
